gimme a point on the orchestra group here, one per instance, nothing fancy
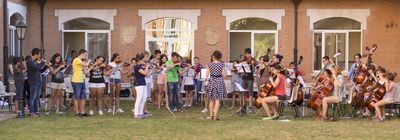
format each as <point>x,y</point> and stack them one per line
<point>158,79</point>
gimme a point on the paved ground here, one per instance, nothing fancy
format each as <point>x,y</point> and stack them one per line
<point>5,114</point>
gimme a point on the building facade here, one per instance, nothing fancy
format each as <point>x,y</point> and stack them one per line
<point>196,28</point>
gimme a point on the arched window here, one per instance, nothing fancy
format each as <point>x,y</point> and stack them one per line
<point>170,35</point>
<point>86,24</point>
<point>335,34</point>
<point>86,33</point>
<point>256,33</point>
<point>14,43</point>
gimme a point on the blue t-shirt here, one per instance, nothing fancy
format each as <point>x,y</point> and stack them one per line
<point>139,78</point>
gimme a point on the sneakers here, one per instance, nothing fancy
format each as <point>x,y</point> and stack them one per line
<point>109,111</point>
<point>205,110</point>
<point>91,113</point>
<point>85,115</point>
<point>139,117</point>
<point>100,112</point>
<point>34,115</point>
<point>59,112</point>
<point>270,118</point>
<point>47,112</point>
<point>249,110</point>
<point>120,111</point>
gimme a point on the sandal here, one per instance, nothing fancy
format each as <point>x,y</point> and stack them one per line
<point>210,118</point>
<point>215,118</point>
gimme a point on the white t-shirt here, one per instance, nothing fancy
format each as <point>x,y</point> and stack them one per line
<point>116,73</point>
<point>189,77</point>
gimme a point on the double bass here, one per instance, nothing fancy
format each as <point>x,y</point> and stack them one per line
<point>298,88</point>
<point>363,79</point>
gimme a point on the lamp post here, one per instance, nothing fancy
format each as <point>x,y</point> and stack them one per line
<point>5,43</point>
<point>21,30</point>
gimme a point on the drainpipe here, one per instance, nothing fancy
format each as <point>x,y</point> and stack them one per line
<point>41,5</point>
<point>295,50</point>
<point>5,47</point>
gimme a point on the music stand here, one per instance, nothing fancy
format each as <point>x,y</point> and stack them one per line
<point>242,112</point>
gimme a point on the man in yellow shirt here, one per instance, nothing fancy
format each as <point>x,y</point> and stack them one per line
<point>78,82</point>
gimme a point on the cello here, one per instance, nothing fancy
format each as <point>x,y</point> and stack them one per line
<point>265,91</point>
<point>323,90</point>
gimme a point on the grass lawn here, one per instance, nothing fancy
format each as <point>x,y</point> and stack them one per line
<point>189,125</point>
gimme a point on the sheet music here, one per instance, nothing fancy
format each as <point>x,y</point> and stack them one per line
<point>239,68</point>
<point>203,73</point>
<point>246,68</point>
<point>292,74</point>
<point>241,89</point>
<point>228,68</point>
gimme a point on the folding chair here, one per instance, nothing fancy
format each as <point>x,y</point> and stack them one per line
<point>8,97</point>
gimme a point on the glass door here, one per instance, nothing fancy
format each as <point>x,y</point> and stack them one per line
<point>335,43</point>
<point>182,47</point>
<point>263,41</point>
<point>97,44</point>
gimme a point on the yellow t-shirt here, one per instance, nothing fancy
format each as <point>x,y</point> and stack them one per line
<point>78,74</point>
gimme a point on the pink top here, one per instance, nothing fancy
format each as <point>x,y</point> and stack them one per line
<point>280,89</point>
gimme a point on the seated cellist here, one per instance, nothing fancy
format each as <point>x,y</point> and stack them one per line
<point>335,95</point>
<point>270,103</point>
<point>391,91</point>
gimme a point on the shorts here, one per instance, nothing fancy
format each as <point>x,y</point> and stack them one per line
<point>115,81</point>
<point>79,90</point>
<point>281,97</point>
<point>248,85</point>
<point>160,79</point>
<point>97,85</point>
<point>56,85</point>
<point>154,84</point>
<point>188,87</point>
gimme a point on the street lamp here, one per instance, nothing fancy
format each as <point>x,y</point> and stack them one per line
<point>21,30</point>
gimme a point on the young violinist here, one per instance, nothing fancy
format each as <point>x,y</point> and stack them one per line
<point>248,77</point>
<point>391,91</point>
<point>57,81</point>
<point>141,70</point>
<point>115,80</point>
<point>161,82</point>
<point>336,96</point>
<point>188,83</point>
<point>97,84</point>
<point>236,91</point>
<point>270,103</point>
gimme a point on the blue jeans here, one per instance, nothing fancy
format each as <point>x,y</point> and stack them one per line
<point>79,90</point>
<point>173,89</point>
<point>198,85</point>
<point>34,97</point>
